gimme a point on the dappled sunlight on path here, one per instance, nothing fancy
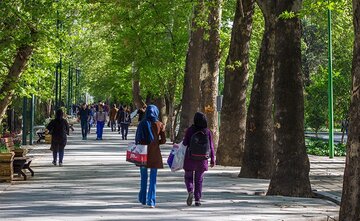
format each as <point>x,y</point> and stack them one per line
<point>96,183</point>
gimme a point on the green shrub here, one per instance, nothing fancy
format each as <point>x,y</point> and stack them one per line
<point>320,147</point>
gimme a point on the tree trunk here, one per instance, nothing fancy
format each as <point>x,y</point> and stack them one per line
<point>291,174</point>
<point>137,100</point>
<point>209,73</point>
<point>350,200</point>
<point>233,115</point>
<point>258,153</point>
<point>170,122</point>
<point>160,103</point>
<point>191,92</point>
<point>8,87</point>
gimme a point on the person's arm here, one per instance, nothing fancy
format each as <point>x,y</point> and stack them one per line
<point>187,137</point>
<point>67,127</point>
<point>50,126</point>
<point>162,135</point>
<point>212,150</point>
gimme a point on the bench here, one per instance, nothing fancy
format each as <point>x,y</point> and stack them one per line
<point>22,163</point>
<point>40,131</point>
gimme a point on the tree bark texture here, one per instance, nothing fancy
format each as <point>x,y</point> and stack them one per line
<point>350,200</point>
<point>8,87</point>
<point>137,100</point>
<point>258,154</point>
<point>291,174</point>
<point>191,93</point>
<point>233,114</point>
<point>209,73</point>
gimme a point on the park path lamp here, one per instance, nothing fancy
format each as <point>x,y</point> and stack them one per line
<point>330,87</point>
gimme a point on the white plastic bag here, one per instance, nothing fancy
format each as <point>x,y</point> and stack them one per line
<point>179,157</point>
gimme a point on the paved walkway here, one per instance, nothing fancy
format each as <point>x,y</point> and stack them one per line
<point>96,183</point>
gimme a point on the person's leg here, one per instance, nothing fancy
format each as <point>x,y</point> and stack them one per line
<point>111,126</point>
<point>61,155</point>
<point>151,201</point>
<point>102,124</point>
<point>122,131</point>
<point>82,129</point>
<point>189,182</point>
<point>86,123</point>
<point>126,130</point>
<point>97,130</point>
<point>199,176</point>
<point>54,157</point>
<point>143,185</point>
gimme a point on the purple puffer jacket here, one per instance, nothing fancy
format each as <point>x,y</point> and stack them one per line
<point>197,165</point>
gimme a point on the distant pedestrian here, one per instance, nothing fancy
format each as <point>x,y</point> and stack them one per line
<point>118,117</point>
<point>148,132</point>
<point>344,128</point>
<point>59,129</point>
<point>100,118</point>
<point>125,121</point>
<point>141,112</point>
<point>91,121</point>
<point>200,137</point>
<point>112,117</point>
<point>84,115</point>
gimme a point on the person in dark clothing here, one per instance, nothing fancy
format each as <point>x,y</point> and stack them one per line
<point>84,115</point>
<point>195,169</point>
<point>59,129</point>
<point>125,121</point>
<point>141,112</point>
<point>118,115</point>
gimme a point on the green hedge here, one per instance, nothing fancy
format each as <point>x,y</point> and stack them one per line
<point>319,147</point>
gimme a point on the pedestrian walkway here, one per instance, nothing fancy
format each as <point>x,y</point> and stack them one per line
<point>96,183</point>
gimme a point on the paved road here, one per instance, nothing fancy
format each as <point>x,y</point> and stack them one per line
<point>325,136</point>
<point>96,183</point>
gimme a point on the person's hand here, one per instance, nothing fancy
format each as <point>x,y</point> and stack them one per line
<point>212,165</point>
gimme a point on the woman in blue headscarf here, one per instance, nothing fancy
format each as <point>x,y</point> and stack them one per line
<point>151,132</point>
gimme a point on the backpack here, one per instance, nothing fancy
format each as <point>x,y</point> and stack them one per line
<point>199,147</point>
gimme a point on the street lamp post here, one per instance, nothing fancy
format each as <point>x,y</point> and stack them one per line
<point>330,87</point>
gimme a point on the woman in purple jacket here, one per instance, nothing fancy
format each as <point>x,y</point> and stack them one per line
<point>195,169</point>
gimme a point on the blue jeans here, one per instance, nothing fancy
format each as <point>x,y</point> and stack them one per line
<point>151,195</point>
<point>61,155</point>
<point>99,129</point>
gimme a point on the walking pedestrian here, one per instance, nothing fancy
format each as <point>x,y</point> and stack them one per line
<point>141,112</point>
<point>59,129</point>
<point>100,118</point>
<point>91,121</point>
<point>84,115</point>
<point>125,121</point>
<point>112,117</point>
<point>118,117</point>
<point>196,165</point>
<point>148,132</point>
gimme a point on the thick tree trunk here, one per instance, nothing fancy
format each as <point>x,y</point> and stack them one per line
<point>170,121</point>
<point>209,73</point>
<point>258,154</point>
<point>191,93</point>
<point>8,87</point>
<point>291,174</point>
<point>350,200</point>
<point>160,103</point>
<point>137,100</point>
<point>233,114</point>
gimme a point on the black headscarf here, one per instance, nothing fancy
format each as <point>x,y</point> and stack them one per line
<point>200,121</point>
<point>59,114</point>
